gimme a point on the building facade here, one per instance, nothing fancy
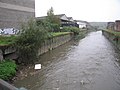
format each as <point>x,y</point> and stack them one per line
<point>117,25</point>
<point>14,12</point>
<point>110,25</point>
<point>64,20</point>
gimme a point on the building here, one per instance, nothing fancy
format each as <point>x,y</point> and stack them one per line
<point>84,24</point>
<point>15,12</point>
<point>65,21</point>
<point>117,25</point>
<point>110,25</point>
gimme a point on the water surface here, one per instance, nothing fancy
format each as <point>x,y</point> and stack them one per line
<point>89,64</point>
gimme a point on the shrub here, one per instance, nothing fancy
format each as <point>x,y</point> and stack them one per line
<point>29,41</point>
<point>75,30</point>
<point>7,69</point>
<point>81,35</point>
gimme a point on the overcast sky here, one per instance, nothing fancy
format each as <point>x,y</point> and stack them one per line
<point>89,10</point>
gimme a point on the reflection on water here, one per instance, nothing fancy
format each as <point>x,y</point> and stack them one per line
<point>90,64</point>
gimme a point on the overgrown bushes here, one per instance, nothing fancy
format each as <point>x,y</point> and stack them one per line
<point>75,30</point>
<point>7,69</point>
<point>29,41</point>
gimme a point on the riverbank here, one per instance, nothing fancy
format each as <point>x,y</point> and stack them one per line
<point>52,43</point>
<point>8,49</point>
<point>113,37</point>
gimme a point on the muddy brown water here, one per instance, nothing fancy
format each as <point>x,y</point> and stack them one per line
<point>91,63</point>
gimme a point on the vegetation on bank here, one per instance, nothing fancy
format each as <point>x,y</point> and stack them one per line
<point>56,34</point>
<point>51,23</point>
<point>113,32</point>
<point>7,40</point>
<point>29,41</point>
<point>7,69</point>
<point>81,35</point>
<point>75,30</point>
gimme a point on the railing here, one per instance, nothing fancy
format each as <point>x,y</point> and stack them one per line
<point>6,86</point>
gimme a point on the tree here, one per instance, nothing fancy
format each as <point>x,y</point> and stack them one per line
<point>53,22</point>
<point>50,12</point>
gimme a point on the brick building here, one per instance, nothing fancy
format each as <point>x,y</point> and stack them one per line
<point>14,12</point>
<point>117,25</point>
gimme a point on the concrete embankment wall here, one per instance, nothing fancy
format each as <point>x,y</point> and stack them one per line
<point>115,39</point>
<point>55,42</point>
<point>9,52</point>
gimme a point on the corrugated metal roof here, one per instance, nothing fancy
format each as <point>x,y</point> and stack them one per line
<point>61,16</point>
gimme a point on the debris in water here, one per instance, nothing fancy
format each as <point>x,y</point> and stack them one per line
<point>82,82</point>
<point>37,66</point>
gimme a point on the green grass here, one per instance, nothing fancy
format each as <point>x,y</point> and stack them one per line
<point>7,40</point>
<point>113,32</point>
<point>7,69</point>
<point>55,34</point>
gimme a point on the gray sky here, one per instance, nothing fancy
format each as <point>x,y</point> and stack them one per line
<point>89,10</point>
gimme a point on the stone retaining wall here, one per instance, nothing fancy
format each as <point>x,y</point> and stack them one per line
<point>113,38</point>
<point>1,55</point>
<point>8,52</point>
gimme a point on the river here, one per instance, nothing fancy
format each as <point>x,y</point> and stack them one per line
<point>91,63</point>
